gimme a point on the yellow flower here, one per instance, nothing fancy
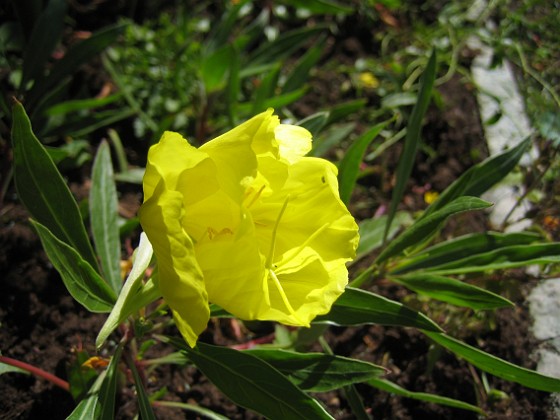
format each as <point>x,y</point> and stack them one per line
<point>246,222</point>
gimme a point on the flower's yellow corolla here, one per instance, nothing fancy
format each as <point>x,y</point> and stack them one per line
<point>246,222</point>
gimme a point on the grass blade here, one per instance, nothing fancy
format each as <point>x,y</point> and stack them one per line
<point>412,140</point>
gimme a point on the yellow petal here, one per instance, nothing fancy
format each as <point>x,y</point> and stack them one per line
<point>233,269</point>
<point>294,142</point>
<point>168,159</point>
<point>180,278</point>
<point>234,152</point>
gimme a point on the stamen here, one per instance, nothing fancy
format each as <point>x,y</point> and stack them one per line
<point>274,230</point>
<point>256,197</point>
<point>284,297</point>
<point>307,241</point>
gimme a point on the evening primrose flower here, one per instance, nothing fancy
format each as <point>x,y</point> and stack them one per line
<point>247,222</point>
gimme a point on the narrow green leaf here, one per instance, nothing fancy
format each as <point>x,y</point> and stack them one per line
<point>44,38</point>
<point>481,177</point>
<point>200,411</point>
<point>133,294</point>
<point>452,291</point>
<point>412,140</point>
<point>464,246</point>
<point>5,368</point>
<point>81,105</point>
<point>73,59</point>
<point>358,307</point>
<point>314,123</point>
<point>318,372</point>
<point>89,407</point>
<point>43,191</point>
<point>372,230</point>
<point>298,76</point>
<point>495,365</point>
<point>350,164</point>
<point>233,86</point>
<point>424,227</point>
<point>265,90</point>
<point>83,283</point>
<point>388,386</point>
<point>108,390</point>
<point>330,138</point>
<point>144,405</point>
<point>320,6</point>
<point>503,258</point>
<point>343,110</point>
<point>254,384</point>
<point>283,46</point>
<point>214,68</point>
<point>103,210</point>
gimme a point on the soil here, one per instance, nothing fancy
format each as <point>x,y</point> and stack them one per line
<point>43,326</point>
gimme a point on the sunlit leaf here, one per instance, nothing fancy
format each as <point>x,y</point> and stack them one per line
<point>350,164</point>
<point>464,246</point>
<point>254,384</point>
<point>388,386</point>
<point>359,307</point>
<point>104,216</point>
<point>424,227</point>
<point>412,141</point>
<point>43,191</point>
<point>452,291</point>
<point>81,280</point>
<point>495,365</point>
<point>318,372</point>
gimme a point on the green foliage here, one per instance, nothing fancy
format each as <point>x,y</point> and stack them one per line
<point>188,73</point>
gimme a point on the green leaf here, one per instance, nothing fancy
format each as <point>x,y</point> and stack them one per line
<point>43,191</point>
<point>320,6</point>
<point>283,46</point>
<point>314,123</point>
<point>330,138</point>
<point>214,68</point>
<point>500,259</point>
<point>265,90</point>
<point>81,105</point>
<point>108,390</point>
<point>44,38</point>
<point>254,384</point>
<point>343,110</point>
<point>350,164</point>
<point>134,294</point>
<point>318,372</point>
<point>144,405</point>
<point>481,177</point>
<point>298,76</point>
<point>452,291</point>
<point>495,365</point>
<point>80,377</point>
<point>103,210</point>
<point>83,283</point>
<point>393,388</point>
<point>372,230</point>
<point>462,247</point>
<point>412,140</point>
<point>358,307</point>
<point>89,407</point>
<point>6,368</point>
<point>73,59</point>
<point>424,227</point>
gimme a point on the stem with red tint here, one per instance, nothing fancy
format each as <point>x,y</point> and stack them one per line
<point>37,372</point>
